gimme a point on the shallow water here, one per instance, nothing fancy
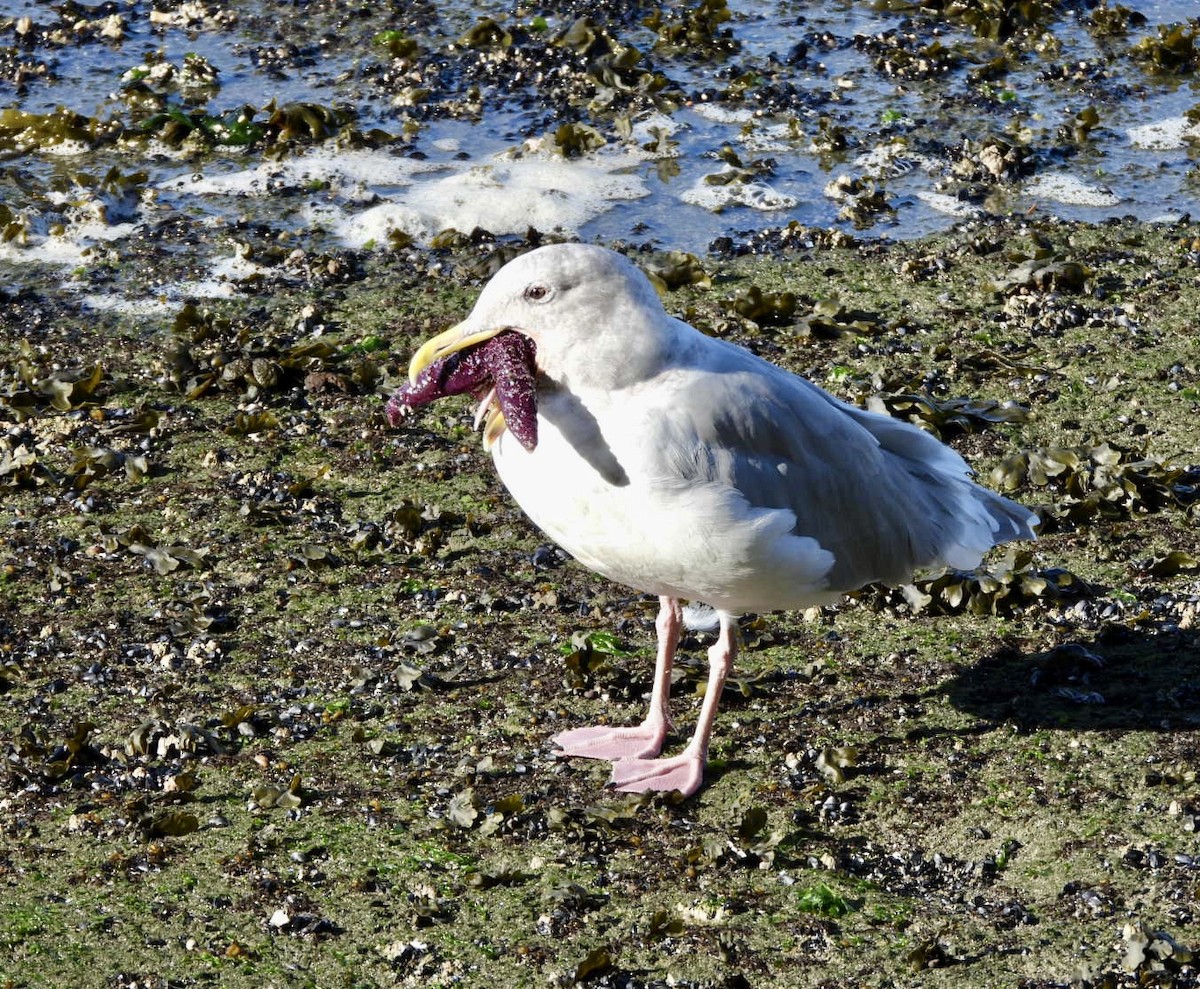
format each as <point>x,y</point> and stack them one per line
<point>479,152</point>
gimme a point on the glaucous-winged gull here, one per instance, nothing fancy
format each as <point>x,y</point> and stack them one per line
<point>687,467</point>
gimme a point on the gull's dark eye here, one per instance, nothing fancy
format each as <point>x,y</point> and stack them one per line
<point>537,292</point>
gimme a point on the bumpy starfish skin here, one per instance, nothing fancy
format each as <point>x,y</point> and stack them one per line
<point>511,360</point>
<point>504,362</point>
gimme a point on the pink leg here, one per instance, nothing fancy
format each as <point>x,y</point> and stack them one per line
<point>685,772</point>
<point>646,739</point>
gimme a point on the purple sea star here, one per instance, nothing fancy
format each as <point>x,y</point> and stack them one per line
<point>499,371</point>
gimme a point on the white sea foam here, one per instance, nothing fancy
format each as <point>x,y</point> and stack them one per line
<point>720,114</point>
<point>348,175</point>
<point>1070,191</point>
<point>721,196</point>
<point>889,160</point>
<point>1163,135</point>
<point>69,247</point>
<point>111,302</point>
<point>949,205</point>
<point>507,195</point>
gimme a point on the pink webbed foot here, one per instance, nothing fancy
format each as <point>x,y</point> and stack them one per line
<point>683,772</point>
<point>610,742</point>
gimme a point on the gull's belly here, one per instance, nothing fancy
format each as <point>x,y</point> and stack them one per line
<point>701,542</point>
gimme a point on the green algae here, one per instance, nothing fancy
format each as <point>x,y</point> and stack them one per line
<point>313,751</point>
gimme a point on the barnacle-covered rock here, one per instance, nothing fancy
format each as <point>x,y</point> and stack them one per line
<point>210,351</point>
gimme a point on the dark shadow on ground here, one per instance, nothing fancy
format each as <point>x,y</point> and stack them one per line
<point>1125,679</point>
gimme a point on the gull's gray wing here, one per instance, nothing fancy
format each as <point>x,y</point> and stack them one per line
<point>884,497</point>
